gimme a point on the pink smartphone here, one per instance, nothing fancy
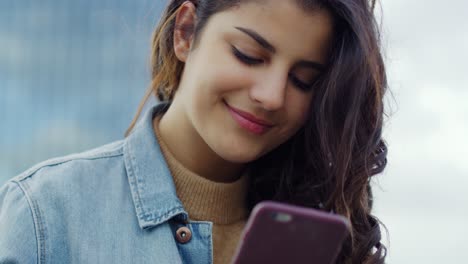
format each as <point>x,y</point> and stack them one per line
<point>283,233</point>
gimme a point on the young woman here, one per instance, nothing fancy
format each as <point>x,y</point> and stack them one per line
<point>260,100</point>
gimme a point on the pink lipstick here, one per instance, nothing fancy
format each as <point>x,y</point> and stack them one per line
<point>249,121</point>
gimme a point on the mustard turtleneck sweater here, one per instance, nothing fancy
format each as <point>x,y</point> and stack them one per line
<point>205,200</point>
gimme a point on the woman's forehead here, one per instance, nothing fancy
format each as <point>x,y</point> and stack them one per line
<point>285,26</point>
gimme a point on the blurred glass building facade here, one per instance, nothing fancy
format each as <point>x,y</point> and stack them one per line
<point>71,75</point>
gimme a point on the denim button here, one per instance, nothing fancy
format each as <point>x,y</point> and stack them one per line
<point>183,235</point>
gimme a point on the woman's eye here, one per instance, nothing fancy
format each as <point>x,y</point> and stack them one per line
<point>245,58</point>
<point>254,61</point>
<point>300,84</point>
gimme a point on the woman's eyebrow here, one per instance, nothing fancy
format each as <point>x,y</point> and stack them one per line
<point>262,41</point>
<point>311,64</point>
<point>265,44</point>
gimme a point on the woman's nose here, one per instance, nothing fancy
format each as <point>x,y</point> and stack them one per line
<point>270,91</point>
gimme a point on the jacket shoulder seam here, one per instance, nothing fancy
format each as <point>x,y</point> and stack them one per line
<point>37,222</point>
<point>62,160</point>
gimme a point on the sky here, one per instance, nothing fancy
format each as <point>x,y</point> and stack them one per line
<point>65,64</point>
<point>422,197</point>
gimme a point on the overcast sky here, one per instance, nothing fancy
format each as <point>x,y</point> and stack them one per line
<point>422,196</point>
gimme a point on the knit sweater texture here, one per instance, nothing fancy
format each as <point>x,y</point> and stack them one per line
<point>223,204</point>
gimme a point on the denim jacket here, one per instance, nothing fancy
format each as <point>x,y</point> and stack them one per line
<point>113,204</point>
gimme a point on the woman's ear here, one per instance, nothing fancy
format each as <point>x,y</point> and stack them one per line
<point>184,30</point>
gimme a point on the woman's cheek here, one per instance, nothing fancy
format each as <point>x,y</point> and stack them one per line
<point>232,79</point>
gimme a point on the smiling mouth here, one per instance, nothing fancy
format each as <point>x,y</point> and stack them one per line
<point>248,121</point>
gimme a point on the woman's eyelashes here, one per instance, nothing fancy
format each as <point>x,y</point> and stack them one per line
<point>300,84</point>
<point>251,61</point>
<point>245,58</point>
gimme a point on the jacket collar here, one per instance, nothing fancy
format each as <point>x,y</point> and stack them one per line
<point>151,184</point>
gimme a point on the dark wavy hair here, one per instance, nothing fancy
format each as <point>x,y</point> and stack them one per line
<point>328,164</point>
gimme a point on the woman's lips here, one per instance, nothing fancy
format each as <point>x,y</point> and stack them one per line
<point>249,121</point>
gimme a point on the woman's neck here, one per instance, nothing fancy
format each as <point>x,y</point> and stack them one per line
<point>187,146</point>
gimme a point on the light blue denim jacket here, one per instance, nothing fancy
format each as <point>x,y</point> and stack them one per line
<point>113,204</point>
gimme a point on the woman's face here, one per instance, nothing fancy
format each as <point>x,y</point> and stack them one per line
<point>246,84</point>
